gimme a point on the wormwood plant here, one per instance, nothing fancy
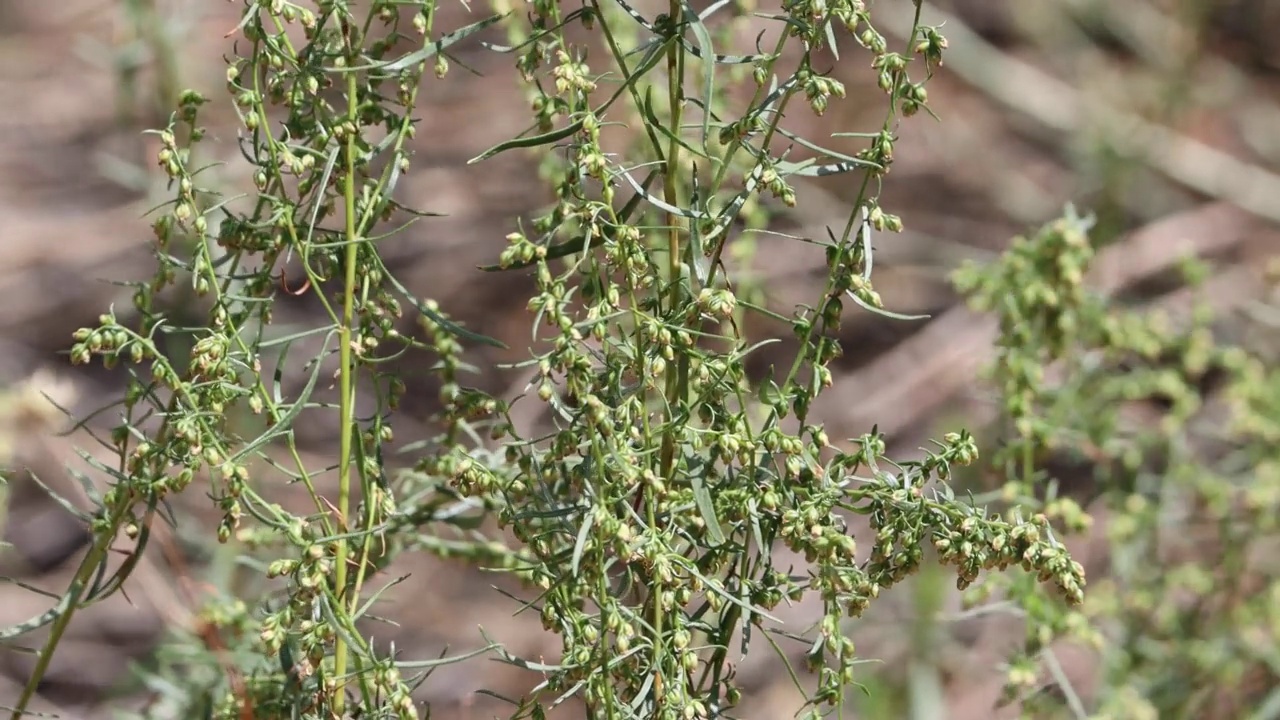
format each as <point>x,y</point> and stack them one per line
<point>669,506</point>
<point>655,510</point>
<point>1185,615</point>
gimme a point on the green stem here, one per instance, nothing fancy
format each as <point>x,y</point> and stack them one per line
<point>71,601</point>
<point>675,390</point>
<point>671,196</point>
<point>346,384</point>
<point>853,213</point>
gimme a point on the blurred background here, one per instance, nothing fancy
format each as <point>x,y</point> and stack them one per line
<point>1162,117</point>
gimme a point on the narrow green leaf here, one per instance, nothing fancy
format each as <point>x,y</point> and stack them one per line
<point>374,598</point>
<point>580,545</point>
<point>753,512</point>
<point>450,326</point>
<point>651,119</point>
<point>38,621</point>
<point>660,204</point>
<point>823,150</point>
<point>771,394</point>
<point>713,586</point>
<point>696,52</point>
<point>809,168</point>
<point>284,423</point>
<point>707,509</point>
<point>708,65</point>
<point>528,142</point>
<point>506,49</point>
<point>329,163</point>
<point>62,502</point>
<point>881,311</point>
<point>429,51</point>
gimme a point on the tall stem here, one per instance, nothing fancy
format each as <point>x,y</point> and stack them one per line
<point>346,384</point>
<point>675,390</point>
